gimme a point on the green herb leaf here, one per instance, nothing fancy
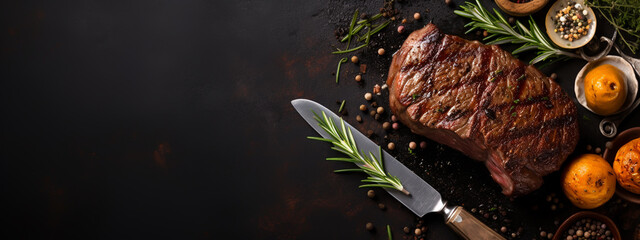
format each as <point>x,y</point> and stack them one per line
<point>389,232</point>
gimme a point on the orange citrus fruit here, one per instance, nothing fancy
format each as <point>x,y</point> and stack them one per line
<point>605,89</point>
<point>627,164</point>
<point>588,181</point>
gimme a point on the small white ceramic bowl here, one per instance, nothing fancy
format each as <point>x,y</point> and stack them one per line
<point>619,63</point>
<point>555,37</point>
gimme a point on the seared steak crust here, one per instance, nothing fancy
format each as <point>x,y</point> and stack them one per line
<point>482,101</point>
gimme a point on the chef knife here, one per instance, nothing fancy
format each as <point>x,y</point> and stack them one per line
<point>423,198</point>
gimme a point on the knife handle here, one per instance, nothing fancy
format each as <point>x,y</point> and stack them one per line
<point>469,227</point>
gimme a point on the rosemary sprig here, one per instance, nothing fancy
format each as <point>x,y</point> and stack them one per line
<point>343,60</point>
<point>342,140</point>
<point>501,32</point>
<point>354,29</point>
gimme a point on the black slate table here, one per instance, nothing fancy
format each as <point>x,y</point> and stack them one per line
<point>171,119</point>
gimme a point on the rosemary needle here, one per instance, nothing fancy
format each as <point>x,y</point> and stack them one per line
<point>341,106</point>
<point>389,232</point>
<point>343,60</point>
<point>353,23</point>
<point>350,50</point>
<point>374,31</point>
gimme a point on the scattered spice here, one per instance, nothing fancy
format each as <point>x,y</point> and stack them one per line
<point>371,194</point>
<point>391,146</point>
<point>381,206</point>
<point>381,51</point>
<point>377,89</point>
<point>380,110</point>
<point>395,126</point>
<point>406,230</point>
<point>400,29</point>
<point>358,118</point>
<point>363,108</point>
<point>386,125</point>
<point>373,113</point>
<point>354,59</point>
<point>418,231</point>
<point>554,76</point>
<point>423,144</point>
<point>393,118</point>
<point>358,78</point>
<point>368,96</point>
<point>413,145</point>
<point>369,226</point>
<point>416,16</point>
<point>448,2</point>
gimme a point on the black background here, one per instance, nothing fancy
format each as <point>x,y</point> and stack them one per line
<point>171,119</point>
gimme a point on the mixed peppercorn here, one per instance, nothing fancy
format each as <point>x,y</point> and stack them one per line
<point>571,22</point>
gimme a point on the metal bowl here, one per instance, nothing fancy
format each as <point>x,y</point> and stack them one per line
<point>618,62</point>
<point>555,37</point>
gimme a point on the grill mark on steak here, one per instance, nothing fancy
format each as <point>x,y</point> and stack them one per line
<point>465,102</point>
<point>550,124</point>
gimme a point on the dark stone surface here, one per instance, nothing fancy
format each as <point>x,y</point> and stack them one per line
<point>171,119</point>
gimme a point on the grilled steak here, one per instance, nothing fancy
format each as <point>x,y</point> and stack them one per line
<point>482,101</point>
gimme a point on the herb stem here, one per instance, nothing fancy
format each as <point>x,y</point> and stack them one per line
<point>343,60</point>
<point>341,106</point>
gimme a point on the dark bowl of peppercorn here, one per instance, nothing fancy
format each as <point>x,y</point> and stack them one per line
<point>587,225</point>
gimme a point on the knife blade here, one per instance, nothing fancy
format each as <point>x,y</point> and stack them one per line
<point>423,198</point>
